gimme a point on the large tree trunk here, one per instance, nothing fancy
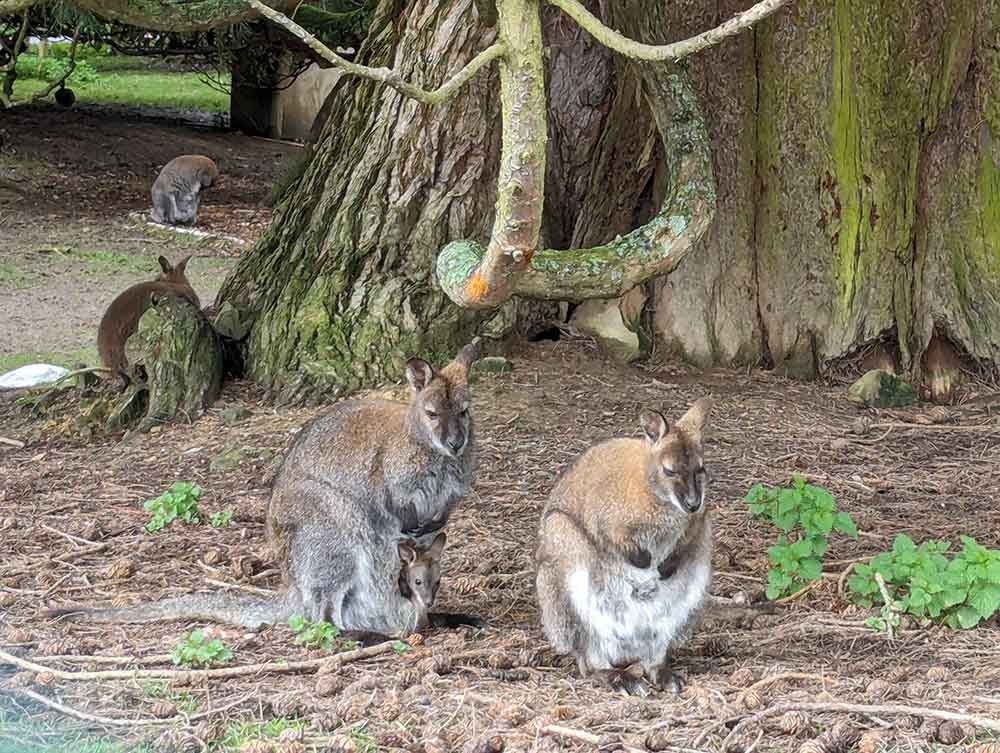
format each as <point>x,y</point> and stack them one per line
<point>341,291</point>
<point>856,161</point>
<point>856,156</point>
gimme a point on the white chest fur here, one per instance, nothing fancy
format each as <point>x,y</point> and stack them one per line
<point>630,614</point>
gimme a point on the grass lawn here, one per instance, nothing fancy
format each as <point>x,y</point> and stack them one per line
<point>127,86</point>
<point>70,361</point>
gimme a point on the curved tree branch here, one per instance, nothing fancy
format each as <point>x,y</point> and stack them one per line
<point>612,269</point>
<point>474,277</point>
<point>384,75</point>
<point>674,51</point>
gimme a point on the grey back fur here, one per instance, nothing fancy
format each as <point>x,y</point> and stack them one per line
<point>177,189</point>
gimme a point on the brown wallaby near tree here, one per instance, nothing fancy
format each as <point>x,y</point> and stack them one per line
<point>355,485</point>
<point>625,552</point>
<point>177,189</point>
<point>122,317</point>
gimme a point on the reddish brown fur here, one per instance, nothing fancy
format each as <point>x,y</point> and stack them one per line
<point>122,316</point>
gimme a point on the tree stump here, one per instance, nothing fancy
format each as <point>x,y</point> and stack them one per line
<point>178,351</point>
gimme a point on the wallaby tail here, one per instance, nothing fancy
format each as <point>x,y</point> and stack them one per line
<point>247,611</point>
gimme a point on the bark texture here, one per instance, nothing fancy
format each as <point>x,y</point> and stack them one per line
<point>855,150</point>
<point>179,351</point>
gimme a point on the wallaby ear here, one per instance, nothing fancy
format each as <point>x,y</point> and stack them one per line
<point>653,424</point>
<point>418,373</point>
<point>470,353</point>
<point>694,420</point>
<point>164,264</point>
<point>182,264</point>
<point>407,553</point>
<point>438,545</point>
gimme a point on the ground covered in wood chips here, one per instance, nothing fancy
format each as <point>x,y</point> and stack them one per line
<point>72,520</point>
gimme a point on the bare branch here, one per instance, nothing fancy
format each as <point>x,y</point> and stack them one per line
<point>674,51</point>
<point>10,69</point>
<point>385,75</point>
<point>10,7</point>
<point>70,67</point>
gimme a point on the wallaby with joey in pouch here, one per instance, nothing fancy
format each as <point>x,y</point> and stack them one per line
<point>177,189</point>
<point>122,317</point>
<point>419,578</point>
<point>355,483</point>
<point>624,557</point>
<point>364,476</point>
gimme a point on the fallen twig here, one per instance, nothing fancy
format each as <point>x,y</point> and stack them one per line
<point>862,708</point>
<point>84,716</point>
<point>557,730</point>
<point>275,667</point>
<point>787,676</point>
<point>114,722</point>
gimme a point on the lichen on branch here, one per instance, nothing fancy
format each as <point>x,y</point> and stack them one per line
<point>610,270</point>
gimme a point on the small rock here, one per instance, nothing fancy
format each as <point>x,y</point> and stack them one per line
<point>226,460</point>
<point>602,319</point>
<point>880,389</point>
<point>233,414</point>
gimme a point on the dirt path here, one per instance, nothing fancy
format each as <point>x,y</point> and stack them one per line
<point>71,517</point>
<point>73,236</point>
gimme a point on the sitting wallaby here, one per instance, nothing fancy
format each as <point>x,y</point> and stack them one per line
<point>356,482</point>
<point>419,578</point>
<point>420,574</point>
<point>625,552</point>
<point>359,479</point>
<point>177,189</point>
<point>122,317</point>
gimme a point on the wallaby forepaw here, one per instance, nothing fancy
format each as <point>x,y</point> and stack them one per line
<point>668,681</point>
<point>627,681</point>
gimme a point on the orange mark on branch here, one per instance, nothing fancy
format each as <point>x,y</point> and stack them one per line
<point>476,287</point>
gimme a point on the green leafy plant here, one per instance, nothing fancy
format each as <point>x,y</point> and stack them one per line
<point>313,634</point>
<point>238,734</point>
<point>222,518</point>
<point>806,515</point>
<point>179,501</point>
<point>195,650</point>
<point>922,581</point>
<point>400,647</point>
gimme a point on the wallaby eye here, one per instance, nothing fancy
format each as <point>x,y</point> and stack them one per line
<point>668,472</point>
<point>418,582</point>
<point>431,414</point>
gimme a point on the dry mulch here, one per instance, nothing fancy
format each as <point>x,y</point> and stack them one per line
<point>72,522</point>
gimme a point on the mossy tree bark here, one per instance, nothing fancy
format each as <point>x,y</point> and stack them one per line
<point>855,149</point>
